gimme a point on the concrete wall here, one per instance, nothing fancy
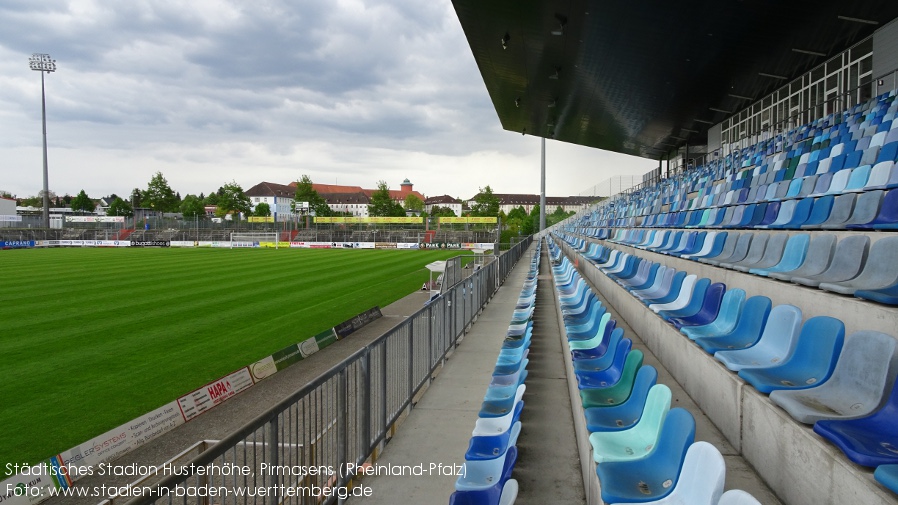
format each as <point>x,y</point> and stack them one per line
<point>801,467</point>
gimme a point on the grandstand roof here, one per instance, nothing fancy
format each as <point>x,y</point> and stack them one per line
<point>643,78</point>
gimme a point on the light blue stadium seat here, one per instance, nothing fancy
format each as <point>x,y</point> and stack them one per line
<point>776,342</point>
<point>792,257</point>
<point>822,208</point>
<point>818,256</point>
<point>726,319</point>
<point>653,477</point>
<point>810,362</point>
<point>738,497</point>
<point>887,475</point>
<point>628,413</point>
<point>637,441</point>
<point>481,447</point>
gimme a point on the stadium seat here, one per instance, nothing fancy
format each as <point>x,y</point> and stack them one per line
<point>864,372</point>
<point>887,218</point>
<point>848,261</point>
<point>773,254</point>
<point>596,340</point>
<point>810,362</point>
<point>727,315</point>
<point>865,210</point>
<point>868,441</point>
<point>792,257</point>
<point>738,497</point>
<point>707,311</point>
<point>666,293</point>
<point>887,475</point>
<point>653,477</point>
<point>481,475</point>
<point>776,342</point>
<point>594,325</point>
<point>611,361</point>
<point>611,374</point>
<point>612,335</point>
<point>880,270</point>
<point>482,447</point>
<point>701,478</point>
<point>501,408</point>
<point>617,393</point>
<point>628,413</point>
<point>819,255</point>
<point>737,248</point>
<point>822,208</point>
<point>887,295</point>
<point>640,439</point>
<point>754,253</point>
<point>505,494</point>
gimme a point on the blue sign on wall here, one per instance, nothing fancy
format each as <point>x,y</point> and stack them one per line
<point>16,244</point>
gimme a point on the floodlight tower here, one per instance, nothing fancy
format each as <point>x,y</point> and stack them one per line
<point>43,63</point>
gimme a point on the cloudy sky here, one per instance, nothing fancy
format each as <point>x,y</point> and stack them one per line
<point>209,91</point>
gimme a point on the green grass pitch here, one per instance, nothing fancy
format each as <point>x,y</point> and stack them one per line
<point>92,338</point>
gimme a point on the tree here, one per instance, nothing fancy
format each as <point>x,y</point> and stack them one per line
<point>305,192</point>
<point>437,211</point>
<point>485,203</point>
<point>413,203</point>
<point>5,194</point>
<point>159,195</point>
<point>192,207</point>
<point>231,198</point>
<point>262,210</point>
<point>83,203</point>
<point>136,197</point>
<point>381,203</point>
<point>212,199</point>
<point>120,207</point>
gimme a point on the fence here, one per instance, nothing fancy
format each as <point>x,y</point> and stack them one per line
<point>310,444</point>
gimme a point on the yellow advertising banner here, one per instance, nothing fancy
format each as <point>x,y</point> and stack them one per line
<point>369,220</point>
<point>468,219</point>
<point>261,219</point>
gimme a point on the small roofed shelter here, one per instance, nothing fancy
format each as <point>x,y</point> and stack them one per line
<point>437,267</point>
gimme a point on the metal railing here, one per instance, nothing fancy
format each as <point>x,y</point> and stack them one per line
<point>306,448</point>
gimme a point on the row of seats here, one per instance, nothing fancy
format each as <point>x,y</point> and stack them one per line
<point>492,451</point>
<point>833,156</point>
<point>844,386</point>
<point>871,210</point>
<point>850,266</point>
<point>646,451</point>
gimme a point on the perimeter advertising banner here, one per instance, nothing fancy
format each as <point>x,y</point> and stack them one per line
<point>95,219</point>
<point>17,244</point>
<point>150,243</point>
<point>83,243</point>
<point>10,219</point>
<point>369,220</point>
<point>260,219</point>
<point>200,400</point>
<point>468,220</point>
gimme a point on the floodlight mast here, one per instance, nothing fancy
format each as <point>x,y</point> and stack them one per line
<point>44,63</point>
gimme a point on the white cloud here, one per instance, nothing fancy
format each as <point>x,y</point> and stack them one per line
<point>209,91</point>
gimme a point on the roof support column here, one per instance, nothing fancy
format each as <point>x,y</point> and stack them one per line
<point>542,186</point>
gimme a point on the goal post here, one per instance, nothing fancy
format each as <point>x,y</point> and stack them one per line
<point>255,239</point>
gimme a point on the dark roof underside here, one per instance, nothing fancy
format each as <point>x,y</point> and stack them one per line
<point>641,77</point>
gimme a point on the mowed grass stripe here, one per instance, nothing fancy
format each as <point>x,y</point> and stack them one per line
<point>93,338</point>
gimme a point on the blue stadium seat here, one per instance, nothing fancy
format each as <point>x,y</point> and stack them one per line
<point>618,392</point>
<point>626,414</point>
<point>864,372</point>
<point>792,257</point>
<point>707,312</point>
<point>609,375</point>
<point>653,477</point>
<point>701,478</point>
<point>489,473</point>
<point>726,319</point>
<point>868,441</point>
<point>810,362</point>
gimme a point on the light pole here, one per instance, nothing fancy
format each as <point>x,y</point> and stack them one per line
<point>43,63</point>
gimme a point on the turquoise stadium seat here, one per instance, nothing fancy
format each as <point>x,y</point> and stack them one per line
<point>637,441</point>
